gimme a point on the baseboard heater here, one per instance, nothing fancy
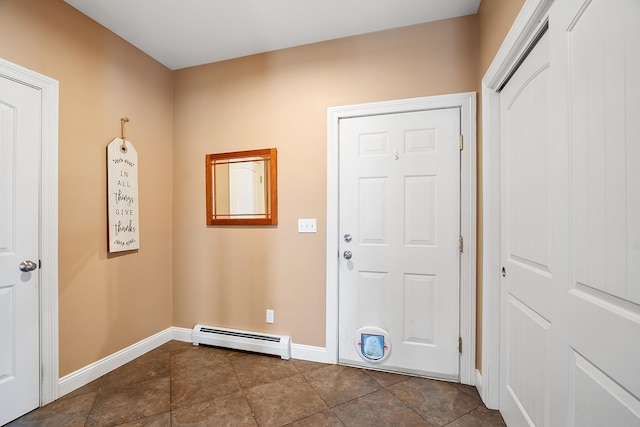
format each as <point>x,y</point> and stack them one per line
<point>278,345</point>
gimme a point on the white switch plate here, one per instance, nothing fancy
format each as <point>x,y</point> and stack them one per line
<point>307,225</point>
<point>270,316</point>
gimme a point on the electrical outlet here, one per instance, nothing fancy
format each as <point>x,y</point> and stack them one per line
<point>270,315</point>
<point>307,225</point>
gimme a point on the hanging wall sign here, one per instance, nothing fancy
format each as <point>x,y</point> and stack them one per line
<point>122,170</point>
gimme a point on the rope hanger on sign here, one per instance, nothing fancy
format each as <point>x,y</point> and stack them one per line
<point>123,147</point>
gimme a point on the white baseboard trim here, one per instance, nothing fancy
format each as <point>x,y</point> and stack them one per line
<point>310,353</point>
<point>95,370</point>
<point>181,334</point>
<point>479,385</point>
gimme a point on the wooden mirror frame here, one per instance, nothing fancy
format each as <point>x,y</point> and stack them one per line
<point>270,217</point>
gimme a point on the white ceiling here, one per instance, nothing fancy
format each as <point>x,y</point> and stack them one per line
<point>184,33</point>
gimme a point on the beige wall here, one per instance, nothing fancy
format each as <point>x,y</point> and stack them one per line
<point>228,276</point>
<point>105,303</point>
<point>495,18</point>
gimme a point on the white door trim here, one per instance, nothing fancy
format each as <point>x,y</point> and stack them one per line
<point>514,47</point>
<point>48,224</point>
<point>467,103</point>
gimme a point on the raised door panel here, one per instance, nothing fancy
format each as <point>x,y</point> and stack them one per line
<point>598,400</point>
<point>605,67</point>
<point>7,333</point>
<point>7,179</point>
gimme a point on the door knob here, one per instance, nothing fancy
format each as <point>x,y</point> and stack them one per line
<point>26,266</point>
<point>347,254</point>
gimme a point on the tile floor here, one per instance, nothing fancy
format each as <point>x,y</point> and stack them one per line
<point>179,384</point>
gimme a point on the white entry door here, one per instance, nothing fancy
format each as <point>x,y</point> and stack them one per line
<point>399,227</point>
<point>20,133</point>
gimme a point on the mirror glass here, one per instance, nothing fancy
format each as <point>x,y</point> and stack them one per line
<point>242,188</point>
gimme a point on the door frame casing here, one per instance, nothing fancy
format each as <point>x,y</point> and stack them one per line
<point>514,47</point>
<point>466,102</point>
<point>48,242</point>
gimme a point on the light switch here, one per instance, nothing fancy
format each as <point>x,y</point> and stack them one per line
<point>307,225</point>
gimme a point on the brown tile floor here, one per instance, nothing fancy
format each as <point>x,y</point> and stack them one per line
<point>178,384</point>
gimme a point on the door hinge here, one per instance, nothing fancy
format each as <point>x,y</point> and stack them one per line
<point>40,263</point>
<point>461,142</point>
<point>460,244</point>
<point>459,344</point>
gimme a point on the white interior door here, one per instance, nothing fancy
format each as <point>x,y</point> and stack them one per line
<point>20,132</point>
<point>399,225</point>
<point>570,146</point>
<point>597,44</point>
<point>526,286</point>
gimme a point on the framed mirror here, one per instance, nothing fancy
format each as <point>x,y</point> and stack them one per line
<point>242,188</point>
